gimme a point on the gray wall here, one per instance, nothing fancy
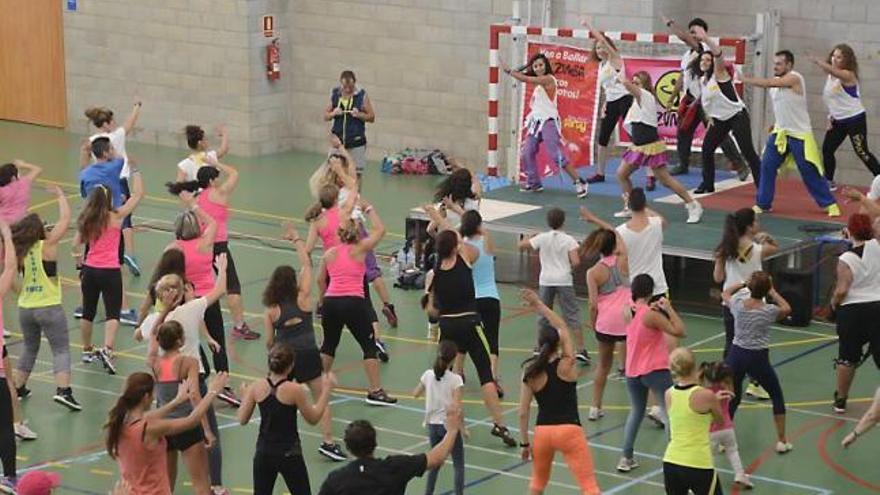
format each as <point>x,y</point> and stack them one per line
<point>423,62</point>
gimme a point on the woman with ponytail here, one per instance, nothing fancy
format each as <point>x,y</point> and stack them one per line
<point>551,379</point>
<point>740,253</point>
<point>188,168</point>
<point>136,434</point>
<point>609,296</point>
<point>279,450</point>
<point>442,389</point>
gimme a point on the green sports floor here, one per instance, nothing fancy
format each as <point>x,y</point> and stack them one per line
<point>273,189</point>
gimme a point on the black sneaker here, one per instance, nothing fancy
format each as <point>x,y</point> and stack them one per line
<point>332,451</point>
<point>23,392</point>
<point>390,315</point>
<point>380,398</point>
<point>583,357</point>
<point>839,404</point>
<point>105,355</point>
<point>382,351</point>
<point>78,312</point>
<point>504,434</point>
<point>228,396</point>
<point>64,396</point>
<point>704,190</point>
<point>595,178</point>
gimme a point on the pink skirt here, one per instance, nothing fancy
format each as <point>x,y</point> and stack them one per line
<point>651,155</point>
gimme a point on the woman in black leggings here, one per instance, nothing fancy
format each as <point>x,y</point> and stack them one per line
<point>7,431</point>
<point>278,447</point>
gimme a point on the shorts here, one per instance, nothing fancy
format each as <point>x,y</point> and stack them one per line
<point>608,338</point>
<point>126,193</point>
<point>489,309</point>
<point>101,283</point>
<point>233,285</point>
<point>467,333</point>
<point>679,479</point>
<point>858,325</point>
<point>182,441</point>
<point>307,365</point>
<point>359,155</point>
<point>352,312</point>
<point>614,111</point>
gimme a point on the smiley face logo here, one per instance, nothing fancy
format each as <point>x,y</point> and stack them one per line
<point>664,90</point>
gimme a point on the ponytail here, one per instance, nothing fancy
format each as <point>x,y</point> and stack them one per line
<point>735,225</point>
<point>175,188</point>
<point>137,386</point>
<point>548,343</point>
<point>446,352</point>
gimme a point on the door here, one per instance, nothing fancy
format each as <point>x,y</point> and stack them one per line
<point>32,85</point>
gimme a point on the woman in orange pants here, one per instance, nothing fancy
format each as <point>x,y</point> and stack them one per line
<point>551,379</point>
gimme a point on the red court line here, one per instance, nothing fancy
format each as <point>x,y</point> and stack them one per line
<point>823,453</point>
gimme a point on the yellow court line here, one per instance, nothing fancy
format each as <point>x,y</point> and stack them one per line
<point>49,202</point>
<point>780,344</point>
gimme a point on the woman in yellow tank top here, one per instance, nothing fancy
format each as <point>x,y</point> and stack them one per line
<point>687,464</point>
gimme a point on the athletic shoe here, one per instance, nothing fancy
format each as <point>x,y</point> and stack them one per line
<point>228,396</point>
<point>583,356</point>
<point>380,398</point>
<point>627,464</point>
<point>832,185</point>
<point>756,391</point>
<point>743,172</point>
<point>783,447</point>
<point>757,209</point>
<point>244,332</point>
<point>504,434</point>
<point>654,415</point>
<point>128,317</point>
<point>78,312</point>
<point>531,189</point>
<point>695,212</point>
<point>390,314</point>
<point>23,392</point>
<point>679,170</point>
<point>332,451</point>
<point>132,264</point>
<point>839,404</point>
<point>7,334</point>
<point>219,490</point>
<point>833,210</point>
<point>743,481</point>
<point>595,414</point>
<point>382,351</point>
<point>650,183</point>
<point>105,355</point>
<point>65,398</point>
<point>89,356</point>
<point>595,178</point>
<point>704,190</point>
<point>8,484</point>
<point>498,390</point>
<point>581,188</point>
<point>23,432</point>
<point>624,213</point>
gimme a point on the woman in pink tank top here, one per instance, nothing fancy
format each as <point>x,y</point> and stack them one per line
<point>15,189</point>
<point>609,296</point>
<point>136,434</point>
<point>100,227</point>
<point>344,304</point>
<point>647,359</point>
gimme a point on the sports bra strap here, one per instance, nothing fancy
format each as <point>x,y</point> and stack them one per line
<point>274,386</point>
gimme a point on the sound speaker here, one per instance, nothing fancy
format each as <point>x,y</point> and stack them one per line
<point>796,286</point>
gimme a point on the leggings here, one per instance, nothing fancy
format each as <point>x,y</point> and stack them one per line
<point>51,322</point>
<point>857,130</point>
<point>638,387</point>
<point>101,283</point>
<point>755,363</point>
<point>233,284</point>
<point>352,312</point>
<point>681,480</point>
<point>549,135</point>
<point>614,111</point>
<point>268,465</point>
<point>467,333</point>
<point>570,440</point>
<point>685,136</point>
<point>727,439</point>
<point>7,432</point>
<point>435,436</point>
<point>214,322</point>
<point>741,127</point>
<point>489,309</point>
<point>215,454</point>
<point>817,186</point>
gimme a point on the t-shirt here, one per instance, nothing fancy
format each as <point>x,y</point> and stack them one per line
<point>751,327</point>
<point>117,139</point>
<point>874,191</point>
<point>438,394</point>
<point>691,83</point>
<point>645,250</point>
<point>387,476</point>
<point>190,315</point>
<point>864,263</point>
<point>14,200</point>
<point>191,164</point>
<point>102,173</point>
<point>553,247</point>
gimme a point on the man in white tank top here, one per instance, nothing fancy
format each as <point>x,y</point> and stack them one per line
<point>792,137</point>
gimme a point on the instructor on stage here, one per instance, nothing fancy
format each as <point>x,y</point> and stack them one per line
<point>350,109</point>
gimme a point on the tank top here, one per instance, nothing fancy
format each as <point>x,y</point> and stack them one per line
<point>167,384</point>
<point>329,233</point>
<point>557,401</point>
<point>542,107</point>
<point>608,79</point>
<point>104,251</point>
<point>483,272</point>
<point>38,290</point>
<point>219,212</point>
<point>646,349</point>
<point>143,466</point>
<point>454,289</point>
<point>747,262</point>
<point>614,296</point>
<point>689,431</point>
<point>278,428</point>
<point>346,274</point>
<point>199,266</point>
<point>790,108</point>
<point>716,99</point>
<point>300,335</point>
<point>865,269</point>
<point>843,102</point>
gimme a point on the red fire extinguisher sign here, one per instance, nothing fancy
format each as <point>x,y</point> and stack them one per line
<point>268,26</point>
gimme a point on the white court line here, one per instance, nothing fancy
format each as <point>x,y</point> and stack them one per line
<point>720,186</point>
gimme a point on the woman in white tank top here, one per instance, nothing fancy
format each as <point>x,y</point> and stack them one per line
<point>846,115</point>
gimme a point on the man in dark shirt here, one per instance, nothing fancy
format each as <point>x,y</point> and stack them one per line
<point>389,476</point>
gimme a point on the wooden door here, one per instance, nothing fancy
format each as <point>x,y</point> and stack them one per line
<point>32,85</point>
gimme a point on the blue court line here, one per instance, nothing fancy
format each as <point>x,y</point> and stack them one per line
<point>633,482</point>
<point>606,430</point>
<point>488,477</point>
<point>804,353</point>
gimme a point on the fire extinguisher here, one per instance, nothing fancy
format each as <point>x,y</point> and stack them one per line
<point>273,61</point>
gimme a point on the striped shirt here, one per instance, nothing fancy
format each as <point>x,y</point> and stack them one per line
<point>751,327</point>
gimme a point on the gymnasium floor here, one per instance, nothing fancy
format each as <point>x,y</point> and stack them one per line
<point>71,443</point>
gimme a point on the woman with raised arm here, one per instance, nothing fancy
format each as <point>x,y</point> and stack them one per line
<point>7,420</point>
<point>40,312</point>
<point>188,168</point>
<point>543,124</point>
<point>15,189</point>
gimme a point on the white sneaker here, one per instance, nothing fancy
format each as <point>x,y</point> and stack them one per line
<point>783,447</point>
<point>743,481</point>
<point>23,432</point>
<point>595,413</point>
<point>626,465</point>
<point>695,212</point>
<point>582,188</point>
<point>624,213</point>
<point>654,415</point>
